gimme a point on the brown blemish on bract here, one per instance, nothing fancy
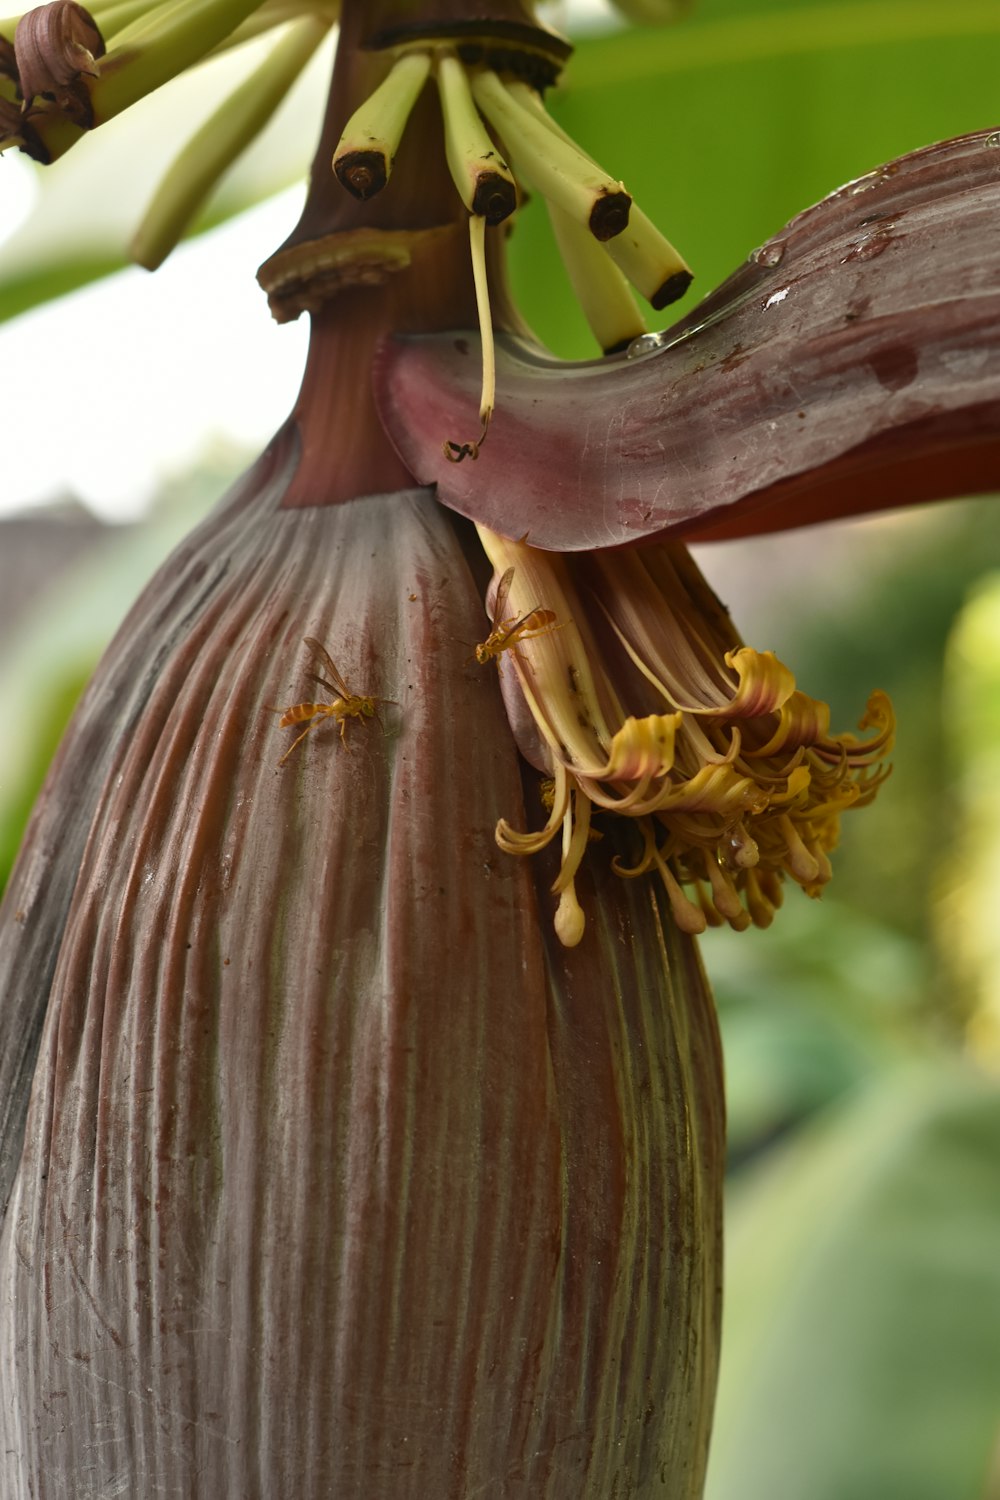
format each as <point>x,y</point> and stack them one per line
<point>895,368</point>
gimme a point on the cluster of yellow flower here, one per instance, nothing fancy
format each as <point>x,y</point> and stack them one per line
<point>644,702</point>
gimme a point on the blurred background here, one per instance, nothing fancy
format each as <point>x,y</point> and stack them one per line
<point>862,1333</point>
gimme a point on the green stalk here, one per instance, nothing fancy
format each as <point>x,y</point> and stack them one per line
<point>113,19</point>
<point>482,178</point>
<point>147,53</point>
<point>643,255</point>
<point>598,285</point>
<point>371,138</point>
<point>157,47</point>
<point>269,15</point>
<point>211,151</point>
<point>559,169</point>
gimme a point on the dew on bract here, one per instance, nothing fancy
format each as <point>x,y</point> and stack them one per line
<point>771,254</point>
<point>646,343</point>
<point>870,246</point>
<point>993,139</point>
<point>872,179</point>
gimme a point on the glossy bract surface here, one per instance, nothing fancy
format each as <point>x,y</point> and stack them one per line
<point>340,1176</point>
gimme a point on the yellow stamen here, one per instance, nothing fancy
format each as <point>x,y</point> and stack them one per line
<point>570,922</point>
<point>689,918</point>
<point>725,897</point>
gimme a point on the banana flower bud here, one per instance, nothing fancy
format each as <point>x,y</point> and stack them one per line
<point>340,1172</point>
<point>343,1173</point>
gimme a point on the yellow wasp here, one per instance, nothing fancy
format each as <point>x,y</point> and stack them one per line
<point>506,633</point>
<point>344,705</point>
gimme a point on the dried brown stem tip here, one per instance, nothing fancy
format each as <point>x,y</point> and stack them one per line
<point>456,452</point>
<point>15,130</point>
<point>495,197</point>
<point>362,173</point>
<point>54,46</point>
<point>11,121</point>
<point>672,289</point>
<point>609,215</point>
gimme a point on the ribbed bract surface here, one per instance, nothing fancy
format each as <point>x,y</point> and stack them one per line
<point>340,1178</point>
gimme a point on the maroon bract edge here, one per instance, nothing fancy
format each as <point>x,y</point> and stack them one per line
<point>851,364</point>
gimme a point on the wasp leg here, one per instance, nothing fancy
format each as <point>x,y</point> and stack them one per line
<point>299,738</point>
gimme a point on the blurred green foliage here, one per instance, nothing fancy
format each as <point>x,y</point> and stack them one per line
<point>727,126</point>
<point>861,1354</point>
<point>19,793</point>
<point>862,1331</point>
<point>862,1326</point>
<point>839,988</point>
<point>51,651</point>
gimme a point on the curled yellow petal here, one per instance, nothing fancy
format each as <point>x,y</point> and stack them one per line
<point>765,683</point>
<point>642,748</point>
<point>802,721</point>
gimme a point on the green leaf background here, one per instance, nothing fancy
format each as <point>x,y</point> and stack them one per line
<point>862,1354</point>
<point>862,1335</point>
<point>726,126</point>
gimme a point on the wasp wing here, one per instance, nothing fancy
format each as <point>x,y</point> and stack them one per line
<point>501,597</point>
<point>336,685</point>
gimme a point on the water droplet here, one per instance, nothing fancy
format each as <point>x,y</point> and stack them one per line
<point>872,179</point>
<point>870,246</point>
<point>646,343</point>
<point>739,851</point>
<point>771,254</point>
<point>993,139</point>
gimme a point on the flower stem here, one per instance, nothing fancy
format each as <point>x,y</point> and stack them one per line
<point>395,263</point>
<point>211,151</point>
<point>431,290</point>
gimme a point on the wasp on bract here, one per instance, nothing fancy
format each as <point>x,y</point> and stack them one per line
<point>506,632</point>
<point>345,705</point>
